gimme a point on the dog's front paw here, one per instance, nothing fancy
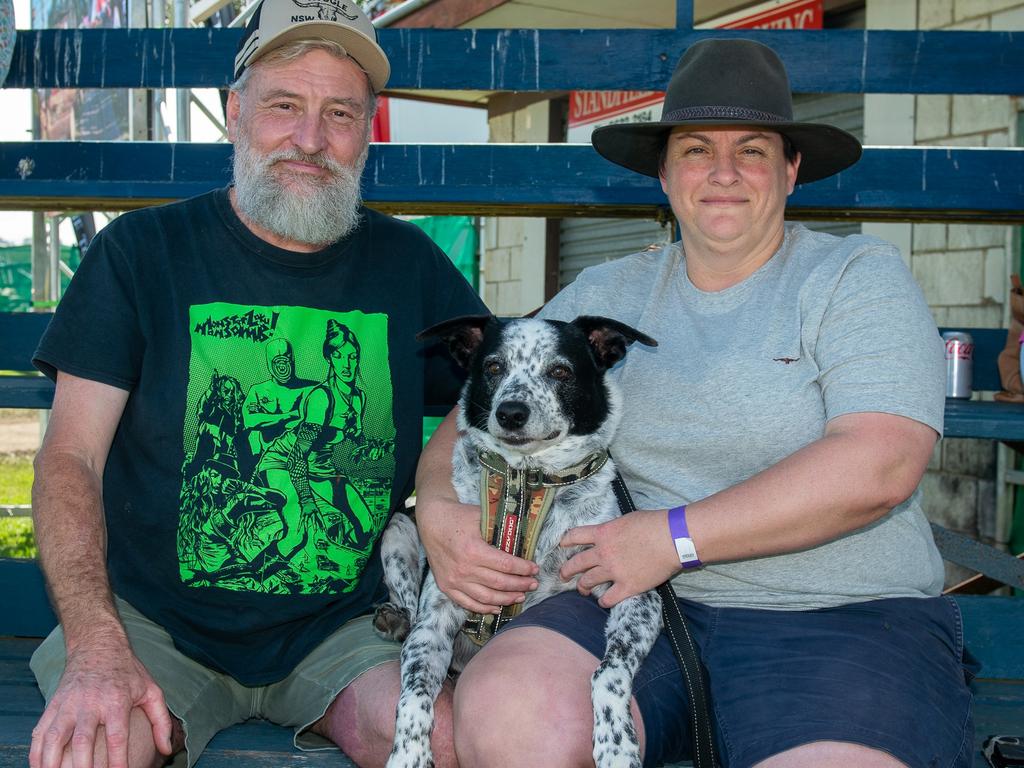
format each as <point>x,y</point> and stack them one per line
<point>616,756</point>
<point>615,741</point>
<point>613,751</point>
<point>411,752</point>
<point>391,622</point>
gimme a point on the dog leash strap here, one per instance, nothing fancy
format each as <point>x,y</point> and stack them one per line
<point>686,653</point>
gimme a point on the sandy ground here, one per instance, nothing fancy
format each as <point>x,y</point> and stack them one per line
<point>19,431</point>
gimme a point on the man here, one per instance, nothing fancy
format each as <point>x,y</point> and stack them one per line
<point>774,442</point>
<point>153,536</point>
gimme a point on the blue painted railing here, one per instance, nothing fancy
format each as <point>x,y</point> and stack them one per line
<point>839,61</point>
<point>910,183</point>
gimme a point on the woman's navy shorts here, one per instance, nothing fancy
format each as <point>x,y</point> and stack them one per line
<point>888,674</point>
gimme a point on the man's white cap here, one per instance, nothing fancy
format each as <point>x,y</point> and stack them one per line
<point>276,22</point>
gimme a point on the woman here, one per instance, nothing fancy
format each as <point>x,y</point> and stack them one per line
<point>774,442</point>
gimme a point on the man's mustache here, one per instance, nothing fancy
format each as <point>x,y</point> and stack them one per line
<point>319,159</point>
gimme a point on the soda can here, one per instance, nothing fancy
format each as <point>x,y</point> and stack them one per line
<point>959,363</point>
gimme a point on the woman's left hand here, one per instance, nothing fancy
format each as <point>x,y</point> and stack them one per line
<point>634,553</point>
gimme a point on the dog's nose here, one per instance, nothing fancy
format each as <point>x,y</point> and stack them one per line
<point>512,414</point>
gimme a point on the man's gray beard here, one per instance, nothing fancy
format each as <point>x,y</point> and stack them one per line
<point>327,211</point>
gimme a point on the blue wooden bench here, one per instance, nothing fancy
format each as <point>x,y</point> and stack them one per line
<point>904,184</point>
<point>994,628</point>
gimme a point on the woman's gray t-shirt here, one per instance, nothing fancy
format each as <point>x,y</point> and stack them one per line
<point>744,377</point>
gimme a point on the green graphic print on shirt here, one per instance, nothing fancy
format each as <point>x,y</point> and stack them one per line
<point>289,448</point>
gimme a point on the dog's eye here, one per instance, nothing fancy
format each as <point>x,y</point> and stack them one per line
<point>560,372</point>
<point>493,368</point>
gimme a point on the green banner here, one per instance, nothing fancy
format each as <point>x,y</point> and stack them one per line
<point>458,237</point>
<point>16,275</point>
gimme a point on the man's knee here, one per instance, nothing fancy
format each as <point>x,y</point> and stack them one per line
<point>142,751</point>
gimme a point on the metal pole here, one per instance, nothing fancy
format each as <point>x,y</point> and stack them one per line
<point>41,297</point>
<point>157,16</point>
<point>184,101</point>
<point>243,17</point>
<point>40,260</point>
<point>400,12</point>
<point>54,273</point>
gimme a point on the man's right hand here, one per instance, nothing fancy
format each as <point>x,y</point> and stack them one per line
<point>102,684</point>
<point>470,571</point>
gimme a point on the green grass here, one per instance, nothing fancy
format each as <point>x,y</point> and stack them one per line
<point>15,479</point>
<point>16,539</point>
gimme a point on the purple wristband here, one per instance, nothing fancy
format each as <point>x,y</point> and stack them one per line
<point>685,548</point>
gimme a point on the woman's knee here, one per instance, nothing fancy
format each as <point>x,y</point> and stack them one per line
<point>526,681</point>
<point>824,754</point>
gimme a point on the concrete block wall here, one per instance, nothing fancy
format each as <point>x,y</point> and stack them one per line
<point>964,271</point>
<point>512,263</point>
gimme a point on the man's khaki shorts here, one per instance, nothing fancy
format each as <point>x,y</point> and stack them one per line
<point>207,701</point>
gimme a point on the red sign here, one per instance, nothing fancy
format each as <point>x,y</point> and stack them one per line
<point>776,14</point>
<point>380,130</point>
<point>589,109</point>
<point>599,106</point>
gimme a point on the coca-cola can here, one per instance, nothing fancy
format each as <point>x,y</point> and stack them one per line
<point>959,363</point>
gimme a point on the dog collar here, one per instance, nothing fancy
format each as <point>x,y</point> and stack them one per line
<point>513,505</point>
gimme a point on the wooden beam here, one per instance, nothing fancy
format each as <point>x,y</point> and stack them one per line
<point>963,418</point>
<point>684,15</point>
<point>819,61</point>
<point>20,332</point>
<point>908,184</point>
<point>993,631</point>
<point>24,608</point>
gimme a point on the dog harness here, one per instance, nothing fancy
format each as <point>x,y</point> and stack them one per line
<point>513,505</point>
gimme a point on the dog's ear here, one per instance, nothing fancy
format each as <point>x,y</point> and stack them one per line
<point>609,338</point>
<point>462,335</point>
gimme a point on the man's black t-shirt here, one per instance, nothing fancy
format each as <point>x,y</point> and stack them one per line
<point>273,423</point>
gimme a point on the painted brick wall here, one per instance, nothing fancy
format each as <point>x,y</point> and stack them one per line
<point>512,266</point>
<point>964,271</point>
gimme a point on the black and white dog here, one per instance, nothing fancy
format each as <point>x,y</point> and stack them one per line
<point>539,413</point>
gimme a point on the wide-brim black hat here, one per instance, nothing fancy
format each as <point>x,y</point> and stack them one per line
<point>729,83</point>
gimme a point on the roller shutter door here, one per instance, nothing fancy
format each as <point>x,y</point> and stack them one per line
<point>593,241</point>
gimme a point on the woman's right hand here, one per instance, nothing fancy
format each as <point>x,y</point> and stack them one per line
<point>471,572</point>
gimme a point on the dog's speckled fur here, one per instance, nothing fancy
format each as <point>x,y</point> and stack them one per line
<point>536,395</point>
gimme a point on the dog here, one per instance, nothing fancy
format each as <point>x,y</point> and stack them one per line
<point>536,408</point>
